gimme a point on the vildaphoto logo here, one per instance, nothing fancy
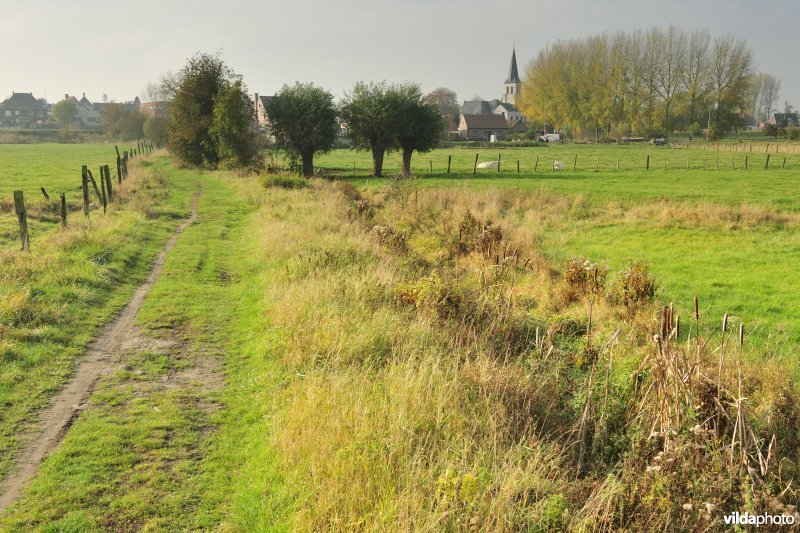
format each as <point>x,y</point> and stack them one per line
<point>758,520</point>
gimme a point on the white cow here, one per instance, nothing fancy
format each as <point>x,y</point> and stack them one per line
<point>489,164</point>
<point>559,165</point>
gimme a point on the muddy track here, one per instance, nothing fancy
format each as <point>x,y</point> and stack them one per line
<point>102,357</point>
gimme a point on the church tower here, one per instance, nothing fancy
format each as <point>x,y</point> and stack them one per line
<point>513,83</point>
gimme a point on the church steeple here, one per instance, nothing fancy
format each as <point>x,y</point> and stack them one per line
<point>513,83</point>
<point>513,76</point>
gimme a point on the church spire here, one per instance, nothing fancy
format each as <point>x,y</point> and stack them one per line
<point>513,75</point>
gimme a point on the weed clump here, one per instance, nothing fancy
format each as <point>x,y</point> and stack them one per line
<point>635,287</point>
<point>391,238</point>
<point>581,278</point>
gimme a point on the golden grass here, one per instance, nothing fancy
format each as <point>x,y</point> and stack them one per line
<point>447,386</point>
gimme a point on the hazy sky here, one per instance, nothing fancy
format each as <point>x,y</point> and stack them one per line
<point>116,48</point>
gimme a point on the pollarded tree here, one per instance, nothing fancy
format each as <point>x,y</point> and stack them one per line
<point>418,126</point>
<point>370,119</point>
<point>303,120</point>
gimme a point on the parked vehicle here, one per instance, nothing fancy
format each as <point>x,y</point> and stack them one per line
<point>550,137</point>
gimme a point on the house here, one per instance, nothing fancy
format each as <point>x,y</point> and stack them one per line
<point>260,105</point>
<point>22,110</point>
<point>784,120</point>
<point>509,112</point>
<point>87,116</point>
<point>517,126</point>
<point>484,127</point>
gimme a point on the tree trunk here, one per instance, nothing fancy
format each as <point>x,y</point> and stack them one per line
<point>405,169</point>
<point>377,162</point>
<point>308,165</point>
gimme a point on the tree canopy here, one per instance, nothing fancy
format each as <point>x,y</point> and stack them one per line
<point>419,127</point>
<point>121,122</point>
<point>211,117</point>
<point>303,120</point>
<point>65,112</point>
<point>651,82</point>
<point>371,120</point>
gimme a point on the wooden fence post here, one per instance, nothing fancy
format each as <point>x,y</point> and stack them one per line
<point>475,166</point>
<point>22,217</point>
<point>536,165</point>
<point>498,162</point>
<point>575,163</point>
<point>104,170</point>
<point>103,189</point>
<point>94,185</point>
<point>648,162</point>
<point>517,166</point>
<point>449,160</point>
<point>431,164</point>
<point>784,162</point>
<point>44,193</point>
<point>85,186</point>
<point>766,164</point>
<point>63,210</point>
<point>745,161</point>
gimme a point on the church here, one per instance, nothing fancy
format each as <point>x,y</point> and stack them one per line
<point>483,120</point>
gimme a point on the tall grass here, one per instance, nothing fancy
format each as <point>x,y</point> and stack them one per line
<point>445,383</point>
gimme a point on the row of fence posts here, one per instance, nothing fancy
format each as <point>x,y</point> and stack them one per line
<point>597,164</point>
<point>105,192</point>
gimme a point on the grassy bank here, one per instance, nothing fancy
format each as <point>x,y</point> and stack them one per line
<point>55,298</point>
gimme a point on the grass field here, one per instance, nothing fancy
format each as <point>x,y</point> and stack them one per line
<point>401,356</point>
<point>728,236</point>
<point>56,167</point>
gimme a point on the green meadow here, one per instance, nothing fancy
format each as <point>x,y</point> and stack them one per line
<point>729,236</point>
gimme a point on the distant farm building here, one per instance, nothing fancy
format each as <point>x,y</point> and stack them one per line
<point>484,127</point>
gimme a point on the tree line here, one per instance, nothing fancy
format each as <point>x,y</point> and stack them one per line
<point>211,121</point>
<point>647,83</point>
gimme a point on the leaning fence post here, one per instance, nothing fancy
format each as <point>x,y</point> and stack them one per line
<point>94,184</point>
<point>449,159</point>
<point>63,210</point>
<point>475,166</point>
<point>85,186</point>
<point>103,188</point>
<point>104,171</point>
<point>22,216</point>
<point>44,193</point>
<point>766,164</point>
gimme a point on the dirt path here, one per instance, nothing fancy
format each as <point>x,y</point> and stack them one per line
<point>101,358</point>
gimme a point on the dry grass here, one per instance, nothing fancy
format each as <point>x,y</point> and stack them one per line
<point>446,384</point>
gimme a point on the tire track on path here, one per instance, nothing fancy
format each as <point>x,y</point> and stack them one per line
<point>102,356</point>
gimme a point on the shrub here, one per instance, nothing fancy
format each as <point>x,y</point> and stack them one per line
<point>476,236</point>
<point>388,236</point>
<point>635,286</point>
<point>279,181</point>
<point>581,277</point>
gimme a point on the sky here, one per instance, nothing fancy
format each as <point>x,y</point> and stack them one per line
<point>53,47</point>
